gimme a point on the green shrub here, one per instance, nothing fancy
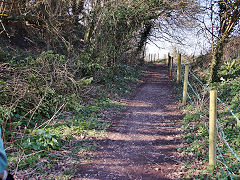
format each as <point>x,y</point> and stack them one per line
<point>42,140</point>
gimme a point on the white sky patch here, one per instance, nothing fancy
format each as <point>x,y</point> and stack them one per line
<point>195,44</point>
<point>153,49</point>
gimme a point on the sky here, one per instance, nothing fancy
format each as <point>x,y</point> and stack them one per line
<point>196,44</point>
<point>195,41</point>
<point>153,49</point>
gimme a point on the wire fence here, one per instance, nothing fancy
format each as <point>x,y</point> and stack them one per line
<point>154,57</point>
<point>228,132</point>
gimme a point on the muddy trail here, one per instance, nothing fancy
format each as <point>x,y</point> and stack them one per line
<point>142,142</point>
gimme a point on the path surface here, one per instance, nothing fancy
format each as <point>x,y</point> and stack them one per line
<point>143,140</point>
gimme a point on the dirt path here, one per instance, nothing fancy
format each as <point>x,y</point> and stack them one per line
<point>143,140</point>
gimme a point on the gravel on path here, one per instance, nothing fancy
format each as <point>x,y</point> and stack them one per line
<point>142,142</point>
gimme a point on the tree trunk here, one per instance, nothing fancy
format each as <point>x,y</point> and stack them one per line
<point>142,43</point>
<point>216,59</point>
<point>229,15</point>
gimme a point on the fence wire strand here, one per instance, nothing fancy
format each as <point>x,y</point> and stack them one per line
<point>196,91</point>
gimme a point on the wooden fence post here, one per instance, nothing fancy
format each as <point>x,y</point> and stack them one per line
<point>179,68</point>
<point>169,59</point>
<point>154,57</point>
<point>171,67</point>
<point>212,128</point>
<point>185,85</point>
<point>149,57</point>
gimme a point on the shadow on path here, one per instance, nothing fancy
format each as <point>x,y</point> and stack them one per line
<point>142,142</point>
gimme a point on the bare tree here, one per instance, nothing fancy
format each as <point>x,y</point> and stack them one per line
<point>227,13</point>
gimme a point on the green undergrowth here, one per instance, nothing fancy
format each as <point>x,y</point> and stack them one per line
<point>195,149</point>
<point>53,109</point>
<point>229,91</point>
<point>65,138</point>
